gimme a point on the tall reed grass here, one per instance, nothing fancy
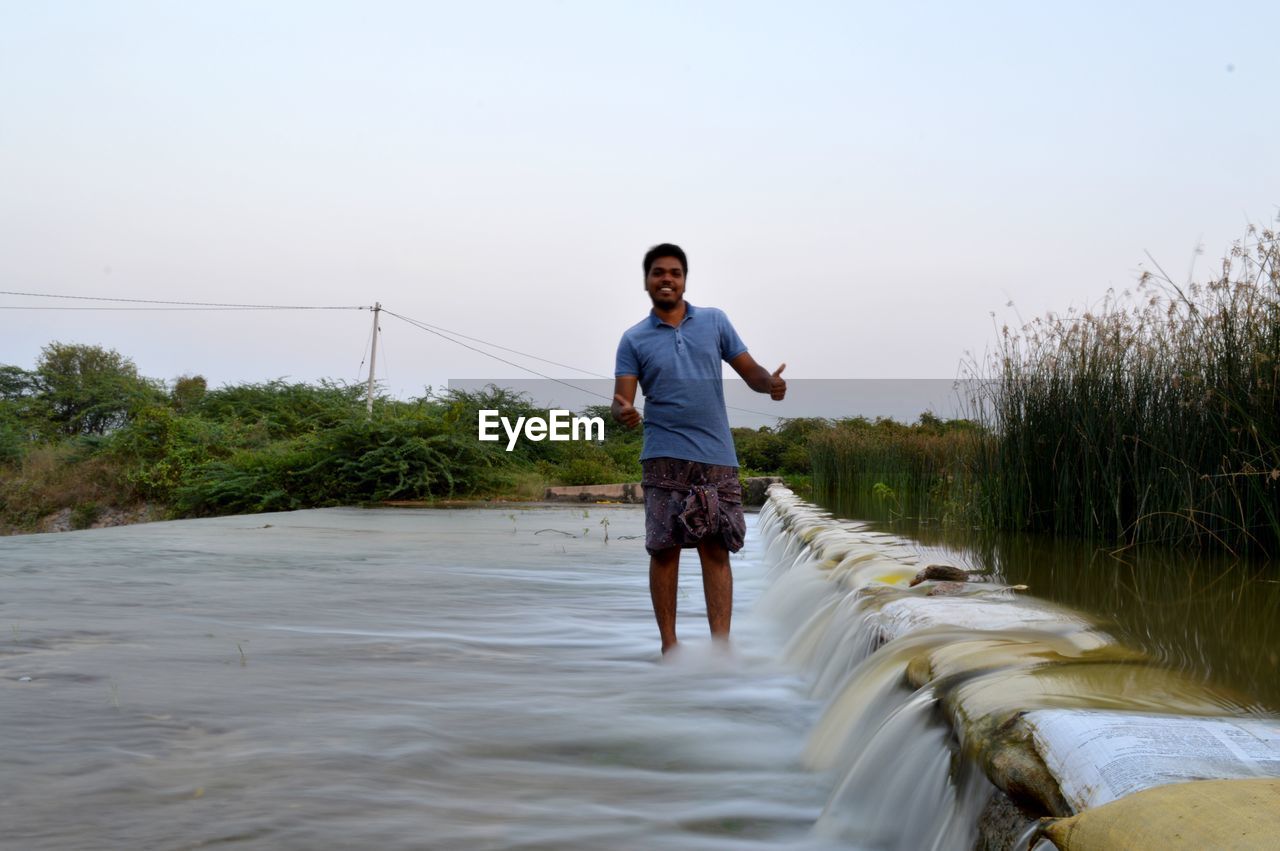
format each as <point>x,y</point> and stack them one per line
<point>888,470</point>
<point>1154,417</point>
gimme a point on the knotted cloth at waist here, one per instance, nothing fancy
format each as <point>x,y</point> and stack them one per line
<point>706,503</point>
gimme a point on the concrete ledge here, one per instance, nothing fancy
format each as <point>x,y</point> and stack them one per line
<point>627,492</point>
<point>755,491</point>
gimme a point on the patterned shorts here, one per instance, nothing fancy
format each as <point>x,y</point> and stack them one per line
<point>685,501</point>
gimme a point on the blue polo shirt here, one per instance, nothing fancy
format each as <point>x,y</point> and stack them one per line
<point>679,372</point>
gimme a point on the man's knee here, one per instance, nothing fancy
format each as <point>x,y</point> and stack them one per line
<point>713,553</point>
<point>665,559</point>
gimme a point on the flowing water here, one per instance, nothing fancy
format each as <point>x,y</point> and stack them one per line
<point>489,678</point>
<point>472,678</point>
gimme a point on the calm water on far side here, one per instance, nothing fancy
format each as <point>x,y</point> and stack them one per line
<point>1209,615</point>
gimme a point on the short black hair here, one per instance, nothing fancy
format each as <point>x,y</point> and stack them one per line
<point>666,249</point>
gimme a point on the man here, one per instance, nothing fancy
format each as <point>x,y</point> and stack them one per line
<point>692,495</point>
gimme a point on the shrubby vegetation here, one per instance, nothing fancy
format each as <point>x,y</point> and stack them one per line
<point>83,431</point>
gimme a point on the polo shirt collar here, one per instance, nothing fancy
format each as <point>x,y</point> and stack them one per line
<point>654,321</point>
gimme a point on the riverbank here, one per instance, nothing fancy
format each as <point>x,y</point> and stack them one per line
<point>188,451</point>
<point>70,520</point>
<point>755,489</point>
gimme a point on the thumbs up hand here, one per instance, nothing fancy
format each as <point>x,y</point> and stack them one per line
<point>625,412</point>
<point>777,384</point>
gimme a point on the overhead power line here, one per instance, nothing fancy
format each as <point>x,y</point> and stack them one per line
<point>423,326</point>
<point>433,330</point>
<point>206,304</point>
<point>178,309</point>
<point>426,326</point>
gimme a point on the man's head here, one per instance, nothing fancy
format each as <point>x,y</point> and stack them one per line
<point>665,268</point>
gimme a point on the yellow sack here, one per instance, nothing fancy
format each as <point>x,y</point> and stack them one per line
<point>1202,814</point>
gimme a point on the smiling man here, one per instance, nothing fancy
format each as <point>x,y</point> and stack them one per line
<point>692,496</point>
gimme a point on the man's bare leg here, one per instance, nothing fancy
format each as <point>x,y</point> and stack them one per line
<point>717,585</point>
<point>664,579</point>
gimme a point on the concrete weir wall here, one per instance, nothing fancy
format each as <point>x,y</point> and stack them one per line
<point>754,491</point>
<point>629,492</point>
<point>960,712</point>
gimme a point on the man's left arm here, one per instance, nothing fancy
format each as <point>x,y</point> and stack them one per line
<point>760,379</point>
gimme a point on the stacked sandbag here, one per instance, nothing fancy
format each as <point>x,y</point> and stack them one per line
<point>1224,815</point>
<point>1023,684</point>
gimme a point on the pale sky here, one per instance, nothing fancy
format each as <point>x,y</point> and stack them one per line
<point>858,185</point>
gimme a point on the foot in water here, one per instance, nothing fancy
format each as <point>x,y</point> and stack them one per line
<point>708,656</point>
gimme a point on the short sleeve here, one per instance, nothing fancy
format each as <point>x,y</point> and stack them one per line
<point>626,362</point>
<point>731,344</point>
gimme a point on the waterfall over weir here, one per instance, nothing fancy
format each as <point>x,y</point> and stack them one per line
<point>892,750</point>
<point>957,713</point>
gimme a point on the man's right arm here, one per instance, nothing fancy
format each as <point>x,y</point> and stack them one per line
<point>624,397</point>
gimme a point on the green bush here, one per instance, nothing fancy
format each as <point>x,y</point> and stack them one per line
<point>759,449</point>
<point>281,410</point>
<point>411,456</point>
<point>85,515</point>
<point>160,449</point>
<point>88,389</point>
<point>15,434</point>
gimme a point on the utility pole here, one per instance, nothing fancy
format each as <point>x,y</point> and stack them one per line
<point>373,356</point>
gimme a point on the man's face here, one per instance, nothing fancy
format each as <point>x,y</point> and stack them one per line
<point>665,282</point>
